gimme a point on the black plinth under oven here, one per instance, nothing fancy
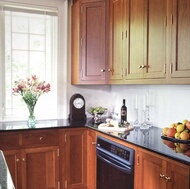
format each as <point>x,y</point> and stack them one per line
<point>115,165</point>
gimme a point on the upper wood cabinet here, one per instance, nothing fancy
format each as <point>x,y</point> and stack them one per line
<point>180,44</point>
<point>116,10</point>
<point>137,40</point>
<point>89,42</point>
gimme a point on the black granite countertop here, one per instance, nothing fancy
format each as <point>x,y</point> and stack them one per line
<point>149,139</point>
<point>5,177</point>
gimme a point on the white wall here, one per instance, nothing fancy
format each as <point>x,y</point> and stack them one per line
<point>168,103</point>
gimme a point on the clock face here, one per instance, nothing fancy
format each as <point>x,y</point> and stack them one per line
<point>78,103</point>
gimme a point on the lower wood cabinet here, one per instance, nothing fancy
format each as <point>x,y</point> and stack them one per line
<point>66,159</point>
<point>91,159</point>
<point>158,172</point>
<point>73,158</point>
<point>34,168</point>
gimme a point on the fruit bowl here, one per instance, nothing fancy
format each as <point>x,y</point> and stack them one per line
<point>97,110</point>
<point>177,132</point>
<point>178,147</point>
<point>175,140</point>
<point>97,113</point>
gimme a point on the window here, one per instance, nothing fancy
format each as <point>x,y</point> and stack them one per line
<point>28,38</point>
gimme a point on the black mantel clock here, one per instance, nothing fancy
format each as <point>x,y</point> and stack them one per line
<point>77,108</point>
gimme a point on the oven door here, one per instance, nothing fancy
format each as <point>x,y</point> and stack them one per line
<point>112,173</point>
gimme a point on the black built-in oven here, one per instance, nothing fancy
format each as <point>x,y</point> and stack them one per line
<point>115,165</point>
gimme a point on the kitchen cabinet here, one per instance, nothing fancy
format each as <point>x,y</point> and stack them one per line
<point>180,44</point>
<point>89,42</point>
<point>137,41</point>
<point>91,159</point>
<point>158,172</point>
<point>73,158</point>
<point>116,49</point>
<point>32,161</point>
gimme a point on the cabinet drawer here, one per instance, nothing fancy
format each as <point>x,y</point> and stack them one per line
<point>9,141</point>
<point>40,138</point>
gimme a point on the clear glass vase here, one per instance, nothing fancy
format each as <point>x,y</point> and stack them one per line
<point>31,117</point>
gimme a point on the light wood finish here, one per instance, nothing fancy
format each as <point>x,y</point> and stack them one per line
<point>137,41</point>
<point>73,158</point>
<point>116,49</point>
<point>147,39</point>
<point>153,171</point>
<point>91,159</point>
<point>89,42</point>
<point>180,44</point>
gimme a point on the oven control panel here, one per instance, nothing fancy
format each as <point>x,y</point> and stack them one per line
<point>115,149</point>
<point>125,154</point>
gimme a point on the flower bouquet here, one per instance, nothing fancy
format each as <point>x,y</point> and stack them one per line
<point>30,89</point>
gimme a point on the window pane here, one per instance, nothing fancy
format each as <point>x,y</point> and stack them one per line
<point>30,49</point>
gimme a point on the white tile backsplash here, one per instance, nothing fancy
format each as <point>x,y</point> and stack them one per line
<point>168,103</point>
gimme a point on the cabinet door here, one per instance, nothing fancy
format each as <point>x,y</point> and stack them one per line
<point>93,42</point>
<point>136,21</point>
<point>75,159</point>
<point>156,27</point>
<point>146,28</point>
<point>40,168</point>
<point>116,40</point>
<point>91,159</point>
<point>149,168</point>
<point>180,39</point>
<point>13,159</point>
<point>178,176</point>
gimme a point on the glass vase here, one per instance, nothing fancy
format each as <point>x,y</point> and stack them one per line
<point>31,117</point>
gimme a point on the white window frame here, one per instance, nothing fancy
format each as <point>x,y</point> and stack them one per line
<point>62,6</point>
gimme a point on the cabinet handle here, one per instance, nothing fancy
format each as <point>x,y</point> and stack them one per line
<point>41,138</point>
<point>103,70</point>
<point>143,66</point>
<point>140,66</point>
<point>93,143</point>
<point>167,179</point>
<point>17,160</point>
<point>23,159</point>
<point>109,70</point>
<point>162,176</point>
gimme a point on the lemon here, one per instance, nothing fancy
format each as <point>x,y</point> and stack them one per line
<point>184,122</point>
<point>164,131</point>
<point>180,128</point>
<point>177,135</point>
<point>173,125</point>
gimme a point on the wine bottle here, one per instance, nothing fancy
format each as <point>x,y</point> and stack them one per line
<point>123,112</point>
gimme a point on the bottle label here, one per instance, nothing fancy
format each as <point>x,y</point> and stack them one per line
<point>123,112</point>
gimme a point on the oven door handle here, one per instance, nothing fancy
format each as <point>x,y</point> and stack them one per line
<point>115,163</point>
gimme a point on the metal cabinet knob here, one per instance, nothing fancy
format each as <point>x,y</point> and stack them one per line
<point>17,160</point>
<point>142,66</point>
<point>162,176</point>
<point>103,70</point>
<point>167,179</point>
<point>23,159</point>
<point>109,70</point>
<point>41,138</point>
<point>93,143</point>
